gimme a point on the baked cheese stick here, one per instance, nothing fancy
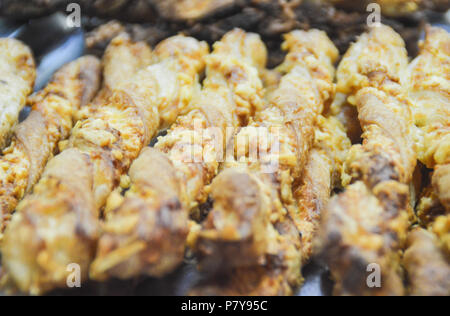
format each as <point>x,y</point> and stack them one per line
<point>428,84</point>
<point>50,121</point>
<point>18,73</point>
<point>145,233</point>
<point>368,223</point>
<point>57,225</point>
<point>122,59</point>
<point>322,174</point>
<point>428,269</point>
<point>250,231</point>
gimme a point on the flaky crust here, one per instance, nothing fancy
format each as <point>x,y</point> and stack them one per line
<point>377,58</point>
<point>232,91</point>
<point>146,234</point>
<point>427,267</point>
<point>251,207</point>
<point>35,140</point>
<point>105,145</point>
<point>18,74</point>
<point>321,175</point>
<point>122,57</point>
<point>388,149</point>
<point>428,83</point>
<point>356,231</point>
<point>368,223</point>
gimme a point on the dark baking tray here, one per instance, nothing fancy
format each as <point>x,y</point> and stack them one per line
<point>60,45</point>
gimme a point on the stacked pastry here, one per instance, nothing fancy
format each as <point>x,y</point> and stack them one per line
<point>57,224</point>
<point>18,75</point>
<point>35,140</point>
<point>368,223</point>
<point>249,243</point>
<point>145,232</point>
<point>268,148</point>
<point>427,258</point>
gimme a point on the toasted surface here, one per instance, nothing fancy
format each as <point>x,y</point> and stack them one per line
<point>18,74</point>
<point>427,267</point>
<point>108,141</point>
<point>35,140</point>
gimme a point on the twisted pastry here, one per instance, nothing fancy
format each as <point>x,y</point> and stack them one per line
<point>50,121</point>
<point>18,74</point>
<point>368,223</point>
<point>427,267</point>
<point>58,224</point>
<point>429,90</point>
<point>122,58</point>
<point>322,174</point>
<point>145,232</point>
<point>249,240</point>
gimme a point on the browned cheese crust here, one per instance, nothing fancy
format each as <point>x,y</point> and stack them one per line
<point>145,232</point>
<point>322,174</point>
<point>122,58</point>
<point>429,90</point>
<point>61,216</point>
<point>368,223</point>
<point>35,140</point>
<point>250,231</point>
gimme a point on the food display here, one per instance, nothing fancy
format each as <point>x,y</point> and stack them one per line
<point>247,140</point>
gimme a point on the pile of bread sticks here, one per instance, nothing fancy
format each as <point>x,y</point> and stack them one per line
<point>80,184</point>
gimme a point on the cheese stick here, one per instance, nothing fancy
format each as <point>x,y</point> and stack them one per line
<point>368,223</point>
<point>322,174</point>
<point>145,233</point>
<point>428,81</point>
<point>428,269</point>
<point>50,121</point>
<point>58,224</point>
<point>428,84</point>
<point>122,59</point>
<point>250,232</point>
<point>18,73</point>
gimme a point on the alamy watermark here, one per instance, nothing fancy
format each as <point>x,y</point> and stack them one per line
<point>374,18</point>
<point>374,278</point>
<point>73,11</point>
<point>74,278</point>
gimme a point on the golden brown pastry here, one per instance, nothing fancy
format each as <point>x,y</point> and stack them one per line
<point>358,231</point>
<point>427,267</point>
<point>322,174</point>
<point>367,224</point>
<point>122,59</point>
<point>428,83</point>
<point>58,224</point>
<point>18,73</point>
<point>35,140</point>
<point>145,232</point>
<point>250,231</point>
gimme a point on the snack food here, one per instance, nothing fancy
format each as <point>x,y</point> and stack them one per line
<point>65,205</point>
<point>18,74</point>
